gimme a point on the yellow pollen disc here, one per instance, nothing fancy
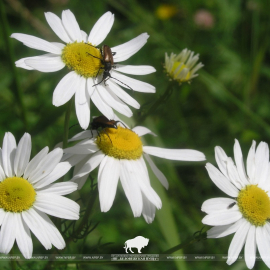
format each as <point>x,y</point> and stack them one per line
<point>254,204</point>
<point>175,75</point>
<point>16,194</point>
<point>79,56</point>
<point>120,143</point>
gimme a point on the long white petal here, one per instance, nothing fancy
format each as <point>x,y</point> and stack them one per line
<point>251,163</point>
<point>59,170</point>
<point>32,219</point>
<point>126,50</point>
<point>141,131</point>
<point>107,183</point>
<point>66,88</point>
<point>8,153</point>
<point>101,28</point>
<point>84,147</point>
<point>82,104</point>
<point>35,161</point>
<point>135,70</point>
<point>71,26</point>
<point>240,163</point>
<point>37,43</point>
<point>261,163</point>
<point>160,176</point>
<point>175,154</point>
<point>22,156</point>
<point>221,159</point>
<point>7,233</point>
<point>80,181</point>
<point>149,210</point>
<point>57,206</point>
<point>23,237</point>
<point>238,242</point>
<point>131,187</point>
<point>263,243</point>
<point>123,95</point>
<point>82,135</point>
<point>46,64</point>
<point>222,182</point>
<point>217,204</point>
<point>57,26</point>
<point>21,63</point>
<point>131,84</point>
<point>60,188</point>
<point>233,174</point>
<point>220,218</point>
<point>250,247</point>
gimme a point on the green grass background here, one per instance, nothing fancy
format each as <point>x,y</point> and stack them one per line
<point>229,99</point>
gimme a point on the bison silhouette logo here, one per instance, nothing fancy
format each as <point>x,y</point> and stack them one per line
<point>138,242</point>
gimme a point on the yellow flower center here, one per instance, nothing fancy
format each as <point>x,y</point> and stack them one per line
<point>83,58</point>
<point>254,204</point>
<point>174,74</point>
<point>120,143</point>
<point>16,194</point>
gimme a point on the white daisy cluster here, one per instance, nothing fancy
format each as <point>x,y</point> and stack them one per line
<point>247,213</point>
<point>79,53</point>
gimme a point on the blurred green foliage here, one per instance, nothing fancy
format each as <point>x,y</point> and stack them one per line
<point>229,99</point>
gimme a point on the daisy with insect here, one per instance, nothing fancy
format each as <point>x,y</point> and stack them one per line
<point>28,195</point>
<point>88,66</point>
<point>247,213</point>
<point>120,154</point>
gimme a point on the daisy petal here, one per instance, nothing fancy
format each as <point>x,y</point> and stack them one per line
<point>263,243</point>
<point>135,70</point>
<point>33,221</point>
<point>261,163</point>
<point>46,64</point>
<point>80,181</point>
<point>221,159</point>
<point>217,204</point>
<point>149,210</point>
<point>66,88</point>
<point>160,176</point>
<point>141,131</point>
<point>238,242</point>
<point>126,50</point>
<point>224,230</point>
<point>71,26</point>
<point>84,36</point>
<point>37,43</point>
<point>107,183</point>
<point>47,165</point>
<point>8,154</point>
<point>250,247</point>
<point>84,147</point>
<point>233,174</point>
<point>60,188</point>
<point>56,24</point>
<point>59,170</point>
<point>222,218</point>
<point>90,165</point>
<point>22,155</point>
<point>21,63</point>
<point>82,104</point>
<point>52,232</point>
<point>251,163</point>
<point>82,135</point>
<point>221,181</point>
<point>101,28</point>
<point>131,187</point>
<point>7,235</point>
<point>23,237</point>
<point>112,100</point>
<point>175,154</point>
<point>238,157</point>
<point>35,162</point>
<point>132,84</point>
<point>57,206</point>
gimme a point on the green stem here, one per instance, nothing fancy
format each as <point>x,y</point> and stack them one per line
<point>11,59</point>
<point>161,100</point>
<point>66,124</point>
<point>12,261</point>
<point>197,237</point>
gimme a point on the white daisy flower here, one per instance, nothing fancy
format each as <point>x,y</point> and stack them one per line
<point>247,213</point>
<point>182,67</point>
<point>120,154</point>
<point>81,56</point>
<point>27,195</point>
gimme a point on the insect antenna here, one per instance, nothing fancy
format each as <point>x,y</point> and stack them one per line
<point>73,126</point>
